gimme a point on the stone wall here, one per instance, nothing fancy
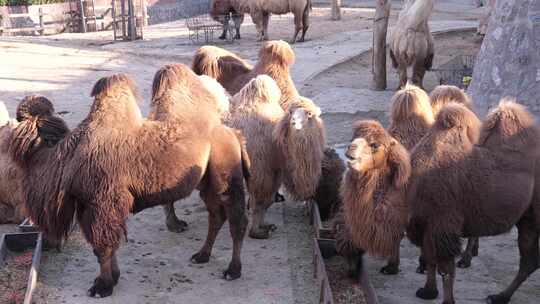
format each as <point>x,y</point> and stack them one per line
<point>508,63</point>
<point>53,13</point>
<point>169,10</point>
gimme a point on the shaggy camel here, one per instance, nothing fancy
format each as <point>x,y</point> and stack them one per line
<point>472,180</point>
<point>224,10</point>
<point>411,43</point>
<point>260,11</point>
<point>111,165</point>
<point>327,193</point>
<point>373,194</point>
<point>12,208</point>
<point>281,147</point>
<point>233,73</point>
<point>173,223</point>
<point>445,94</point>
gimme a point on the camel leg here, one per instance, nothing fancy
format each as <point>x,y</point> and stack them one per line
<point>421,264</point>
<point>238,221</point>
<point>447,270</point>
<point>259,230</point>
<point>402,72</point>
<point>225,24</point>
<point>429,291</point>
<point>297,27</point>
<point>392,267</point>
<point>174,224</point>
<point>365,283</point>
<point>528,263</point>
<point>305,24</point>
<point>216,218</point>
<point>115,269</point>
<point>419,70</point>
<point>104,283</point>
<point>265,21</point>
<point>470,251</point>
<point>238,20</point>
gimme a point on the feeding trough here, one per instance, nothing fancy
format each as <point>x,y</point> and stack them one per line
<point>15,252</point>
<point>28,226</point>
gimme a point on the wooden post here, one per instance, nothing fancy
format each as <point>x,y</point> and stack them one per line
<point>83,17</point>
<point>380,29</point>
<point>41,23</point>
<point>336,9</point>
<point>114,21</point>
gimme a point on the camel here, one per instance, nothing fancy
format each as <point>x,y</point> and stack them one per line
<point>260,11</point>
<point>111,165</point>
<point>445,94</point>
<point>233,73</point>
<point>282,147</point>
<point>327,193</point>
<point>470,180</point>
<point>12,209</point>
<point>411,43</point>
<point>224,10</point>
<point>373,195</point>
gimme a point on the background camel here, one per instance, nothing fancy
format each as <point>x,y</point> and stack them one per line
<point>327,193</point>
<point>282,147</point>
<point>233,73</point>
<point>111,165</point>
<point>224,10</point>
<point>469,181</point>
<point>260,11</point>
<point>411,43</point>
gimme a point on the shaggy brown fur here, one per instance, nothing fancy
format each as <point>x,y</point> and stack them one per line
<point>373,190</point>
<point>233,73</point>
<point>274,148</point>
<point>260,11</point>
<point>112,165</point>
<point>223,10</point>
<point>411,43</point>
<point>468,182</point>
<point>12,209</point>
<point>327,194</point>
<point>410,116</point>
<point>445,94</point>
<point>301,138</point>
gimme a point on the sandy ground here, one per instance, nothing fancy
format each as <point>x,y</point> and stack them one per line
<point>154,262</point>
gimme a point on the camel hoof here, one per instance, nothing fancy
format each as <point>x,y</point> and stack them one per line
<point>497,299</point>
<point>176,225</point>
<point>237,37</point>
<point>464,263</point>
<point>279,198</point>
<point>269,227</point>
<point>427,294</point>
<point>233,272</point>
<point>390,269</point>
<point>101,288</point>
<point>223,37</point>
<point>259,234</point>
<point>116,277</point>
<point>200,258</point>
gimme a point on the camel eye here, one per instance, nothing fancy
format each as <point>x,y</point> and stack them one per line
<point>309,114</point>
<point>374,146</point>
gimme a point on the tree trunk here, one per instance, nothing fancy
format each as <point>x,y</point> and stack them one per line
<point>336,9</point>
<point>380,28</point>
<point>508,63</point>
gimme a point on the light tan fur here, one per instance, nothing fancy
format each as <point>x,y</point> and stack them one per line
<point>233,73</point>
<point>260,11</point>
<point>411,43</point>
<point>445,94</point>
<point>11,198</point>
<point>410,115</point>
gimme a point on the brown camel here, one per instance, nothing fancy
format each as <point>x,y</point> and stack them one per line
<point>233,73</point>
<point>111,165</point>
<point>327,194</point>
<point>472,180</point>
<point>224,10</point>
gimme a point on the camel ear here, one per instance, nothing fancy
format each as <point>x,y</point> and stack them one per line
<point>400,164</point>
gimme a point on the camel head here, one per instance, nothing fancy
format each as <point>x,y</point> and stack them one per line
<point>277,52</point>
<point>304,115</point>
<point>372,148</point>
<point>445,94</point>
<point>34,105</point>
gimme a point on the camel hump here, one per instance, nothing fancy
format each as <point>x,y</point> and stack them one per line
<point>511,126</point>
<point>170,77</point>
<point>277,51</point>
<point>259,89</point>
<point>409,102</point>
<point>455,115</point>
<point>112,86</point>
